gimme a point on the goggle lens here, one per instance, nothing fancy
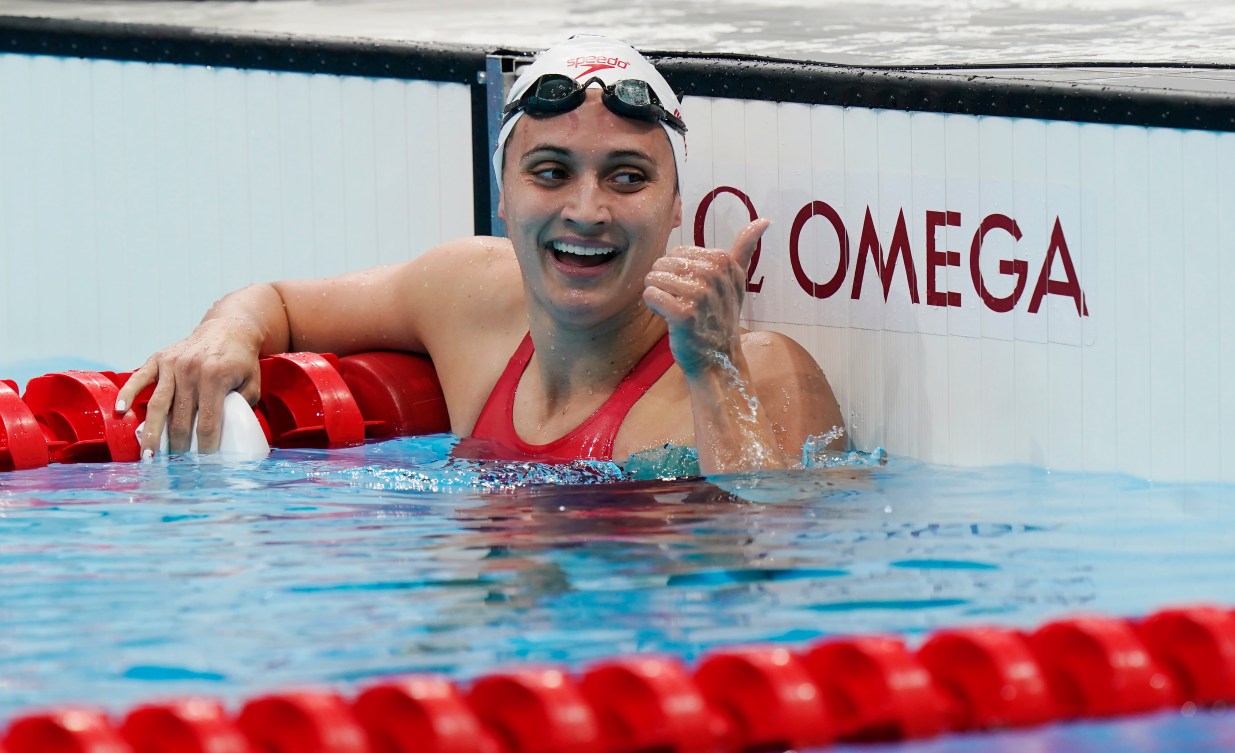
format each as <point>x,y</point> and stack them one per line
<point>556,89</point>
<point>633,92</point>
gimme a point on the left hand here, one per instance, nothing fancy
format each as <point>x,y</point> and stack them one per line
<point>699,292</point>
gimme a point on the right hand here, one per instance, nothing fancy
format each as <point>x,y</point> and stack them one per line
<point>192,377</point>
<point>699,292</point>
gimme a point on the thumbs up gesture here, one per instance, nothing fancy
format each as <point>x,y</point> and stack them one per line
<point>699,292</point>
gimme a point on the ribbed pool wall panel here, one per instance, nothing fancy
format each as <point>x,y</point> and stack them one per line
<point>133,195</point>
<point>1108,358</point>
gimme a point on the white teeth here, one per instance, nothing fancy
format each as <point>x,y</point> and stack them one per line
<point>570,248</point>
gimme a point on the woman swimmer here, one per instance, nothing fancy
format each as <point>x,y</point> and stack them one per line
<point>582,292</point>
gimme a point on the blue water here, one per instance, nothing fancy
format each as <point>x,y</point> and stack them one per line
<point>126,582</point>
<point>1167,732</point>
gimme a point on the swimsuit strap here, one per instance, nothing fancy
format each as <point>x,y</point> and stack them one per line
<point>489,425</point>
<point>591,440</point>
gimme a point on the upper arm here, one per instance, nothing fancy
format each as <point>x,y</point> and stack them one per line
<point>792,389</point>
<point>402,306</point>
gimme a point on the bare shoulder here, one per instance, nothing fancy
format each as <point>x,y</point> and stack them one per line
<point>773,357</point>
<point>767,349</point>
<point>474,282</point>
<point>474,248</point>
<point>791,386</point>
<point>481,264</point>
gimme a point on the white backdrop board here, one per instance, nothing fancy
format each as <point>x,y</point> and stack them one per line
<point>132,194</point>
<point>989,290</point>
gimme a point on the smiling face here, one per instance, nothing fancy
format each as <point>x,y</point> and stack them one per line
<point>589,199</point>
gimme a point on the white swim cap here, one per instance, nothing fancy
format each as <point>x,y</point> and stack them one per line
<point>586,56</point>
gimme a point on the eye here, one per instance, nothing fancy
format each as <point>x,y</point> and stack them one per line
<point>629,179</point>
<point>549,172</point>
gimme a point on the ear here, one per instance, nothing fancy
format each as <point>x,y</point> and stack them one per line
<point>677,209</point>
<point>501,205</point>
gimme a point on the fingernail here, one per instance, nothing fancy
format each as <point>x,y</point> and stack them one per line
<point>121,406</point>
<point>147,455</point>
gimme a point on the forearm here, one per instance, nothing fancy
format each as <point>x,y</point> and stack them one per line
<point>733,433</point>
<point>256,314</point>
<point>192,377</point>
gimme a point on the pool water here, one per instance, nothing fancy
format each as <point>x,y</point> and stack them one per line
<point>127,582</point>
<point>1202,732</point>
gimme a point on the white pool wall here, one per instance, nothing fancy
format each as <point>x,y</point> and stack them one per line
<point>133,195</point>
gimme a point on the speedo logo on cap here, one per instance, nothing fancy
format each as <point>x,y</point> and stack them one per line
<point>594,63</point>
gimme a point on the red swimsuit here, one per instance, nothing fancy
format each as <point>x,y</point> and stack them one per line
<point>494,435</point>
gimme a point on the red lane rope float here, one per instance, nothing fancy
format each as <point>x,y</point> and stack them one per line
<point>307,400</point>
<point>738,700</point>
<point>536,710</point>
<point>187,725</point>
<point>651,703</point>
<point>77,412</point>
<point>768,697</point>
<point>989,678</point>
<point>22,443</point>
<point>398,393</point>
<point>1098,667</point>
<point>67,730</point>
<point>425,714</point>
<point>307,403</point>
<point>1196,646</point>
<point>303,721</point>
<point>876,689</point>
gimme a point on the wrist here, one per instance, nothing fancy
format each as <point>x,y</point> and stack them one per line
<point>731,429</point>
<point>717,369</point>
<point>256,316</point>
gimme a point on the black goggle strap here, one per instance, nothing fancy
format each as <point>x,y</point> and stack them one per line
<point>555,93</point>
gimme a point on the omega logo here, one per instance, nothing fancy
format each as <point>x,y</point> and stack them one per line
<point>871,255</point>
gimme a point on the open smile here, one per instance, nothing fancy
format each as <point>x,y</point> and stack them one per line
<point>582,256</point>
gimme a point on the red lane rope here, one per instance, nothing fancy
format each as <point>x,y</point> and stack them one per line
<point>736,700</point>
<point>307,400</point>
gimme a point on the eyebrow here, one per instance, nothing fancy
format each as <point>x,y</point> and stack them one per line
<point>631,153</point>
<point>548,148</point>
<point>614,155</point>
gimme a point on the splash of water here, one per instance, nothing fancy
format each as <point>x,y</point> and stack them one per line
<point>665,463</point>
<point>815,452</point>
<point>465,476</point>
<point>755,453</point>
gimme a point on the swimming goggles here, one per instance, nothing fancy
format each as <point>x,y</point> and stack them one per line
<point>555,93</point>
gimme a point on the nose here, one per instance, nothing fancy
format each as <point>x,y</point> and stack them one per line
<point>587,205</point>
